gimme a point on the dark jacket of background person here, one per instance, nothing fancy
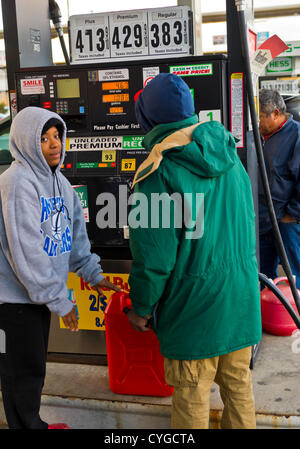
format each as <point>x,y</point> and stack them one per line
<point>282,159</point>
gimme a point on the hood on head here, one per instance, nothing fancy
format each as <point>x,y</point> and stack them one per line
<point>165,99</point>
<point>25,137</point>
<point>211,152</point>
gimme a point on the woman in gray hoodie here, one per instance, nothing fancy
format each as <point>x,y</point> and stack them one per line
<point>42,237</point>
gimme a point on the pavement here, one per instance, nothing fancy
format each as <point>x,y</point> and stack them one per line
<point>80,395</point>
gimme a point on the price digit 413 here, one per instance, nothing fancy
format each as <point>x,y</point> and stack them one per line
<point>91,40</point>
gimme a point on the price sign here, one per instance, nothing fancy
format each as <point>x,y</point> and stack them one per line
<point>131,34</point>
<point>168,31</point>
<point>128,34</point>
<point>90,37</point>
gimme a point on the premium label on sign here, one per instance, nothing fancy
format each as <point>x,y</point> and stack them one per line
<point>93,143</point>
<point>192,70</point>
<point>131,34</point>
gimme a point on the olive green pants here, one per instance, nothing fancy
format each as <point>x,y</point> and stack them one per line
<point>192,381</point>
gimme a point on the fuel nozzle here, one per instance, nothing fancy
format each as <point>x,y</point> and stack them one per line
<point>55,16</point>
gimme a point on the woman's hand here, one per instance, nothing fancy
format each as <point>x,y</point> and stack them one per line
<point>70,320</point>
<point>106,284</point>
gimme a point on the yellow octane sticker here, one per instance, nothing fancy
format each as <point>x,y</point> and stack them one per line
<point>108,156</point>
<point>128,165</point>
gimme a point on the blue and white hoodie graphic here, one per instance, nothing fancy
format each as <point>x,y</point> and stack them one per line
<point>42,229</point>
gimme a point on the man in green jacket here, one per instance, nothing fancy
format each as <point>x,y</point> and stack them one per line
<point>194,268</point>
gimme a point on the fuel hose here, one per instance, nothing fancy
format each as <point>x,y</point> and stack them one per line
<point>241,6</point>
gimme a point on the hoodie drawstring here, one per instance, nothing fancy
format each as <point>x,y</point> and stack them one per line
<point>63,206</point>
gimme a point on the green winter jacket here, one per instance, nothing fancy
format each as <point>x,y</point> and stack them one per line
<point>194,264</point>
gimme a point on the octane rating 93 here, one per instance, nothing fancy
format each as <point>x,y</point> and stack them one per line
<point>151,438</point>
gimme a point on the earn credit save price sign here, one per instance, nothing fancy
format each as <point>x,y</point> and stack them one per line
<point>150,33</point>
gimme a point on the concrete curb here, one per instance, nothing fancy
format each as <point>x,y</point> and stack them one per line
<point>102,414</point>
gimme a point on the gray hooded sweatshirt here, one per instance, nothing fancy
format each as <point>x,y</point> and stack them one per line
<point>42,229</point>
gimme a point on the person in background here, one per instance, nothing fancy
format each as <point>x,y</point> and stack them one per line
<point>42,237</point>
<point>281,135</point>
<point>197,278</point>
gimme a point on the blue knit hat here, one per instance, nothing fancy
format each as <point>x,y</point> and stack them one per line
<point>165,99</point>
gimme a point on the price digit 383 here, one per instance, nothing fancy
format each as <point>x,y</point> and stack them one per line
<point>165,33</point>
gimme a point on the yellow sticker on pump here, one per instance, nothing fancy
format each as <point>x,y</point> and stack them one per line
<point>108,155</point>
<point>128,165</point>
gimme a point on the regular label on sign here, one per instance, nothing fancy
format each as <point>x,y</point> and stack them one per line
<point>168,31</point>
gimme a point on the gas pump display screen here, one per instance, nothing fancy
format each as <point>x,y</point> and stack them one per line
<point>114,90</point>
<point>68,88</point>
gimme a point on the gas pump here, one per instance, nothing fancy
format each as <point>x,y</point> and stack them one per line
<point>96,98</point>
<point>104,146</point>
<point>104,141</point>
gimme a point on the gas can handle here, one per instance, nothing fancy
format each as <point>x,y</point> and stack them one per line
<point>127,306</point>
<point>281,279</point>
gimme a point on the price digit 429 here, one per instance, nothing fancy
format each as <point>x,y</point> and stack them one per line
<point>127,36</point>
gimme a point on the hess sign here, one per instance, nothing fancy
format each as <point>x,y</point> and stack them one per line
<point>131,35</point>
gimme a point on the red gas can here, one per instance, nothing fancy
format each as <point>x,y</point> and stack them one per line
<point>275,318</point>
<point>135,363</point>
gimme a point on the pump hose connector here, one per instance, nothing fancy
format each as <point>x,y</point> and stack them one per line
<point>241,5</point>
